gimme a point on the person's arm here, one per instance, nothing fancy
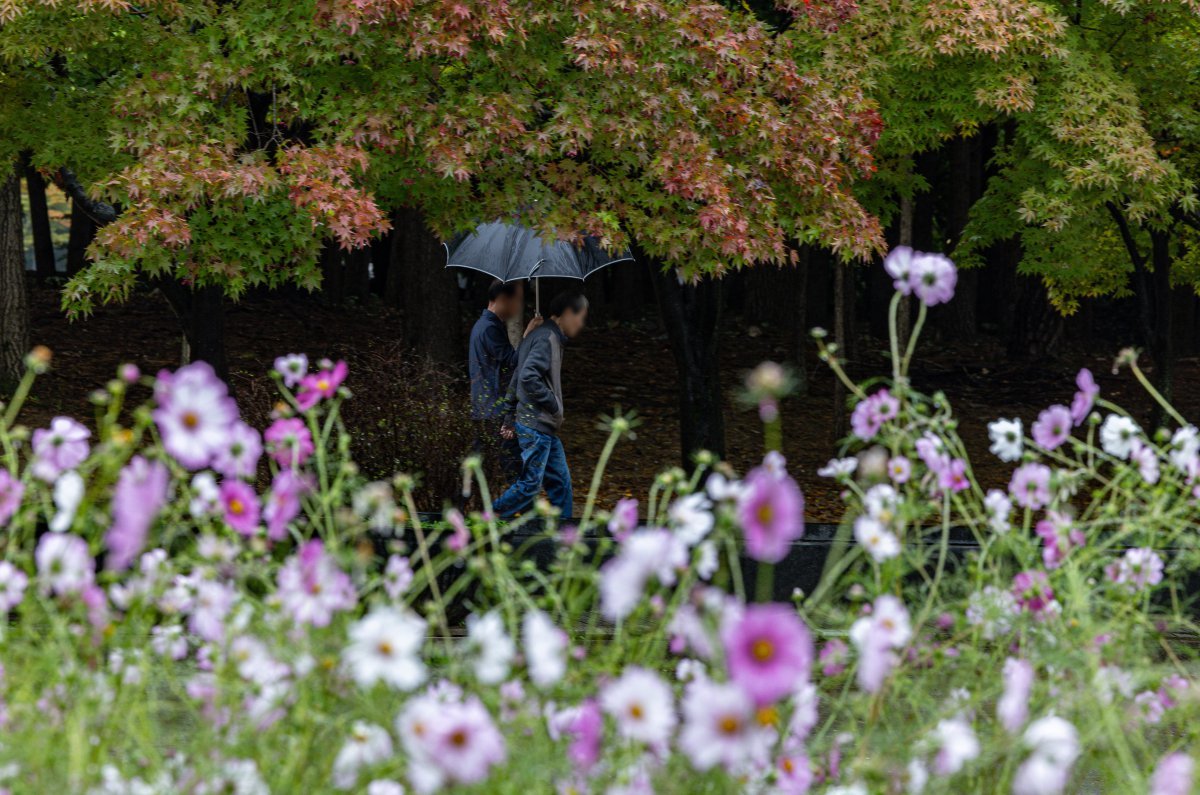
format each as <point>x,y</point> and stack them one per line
<point>500,350</point>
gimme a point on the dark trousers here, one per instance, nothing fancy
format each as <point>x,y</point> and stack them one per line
<point>544,463</point>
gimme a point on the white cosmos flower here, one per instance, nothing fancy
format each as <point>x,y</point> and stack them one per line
<point>707,562</point>
<point>881,502</point>
<point>545,648</point>
<point>64,564</point>
<point>493,650</point>
<point>879,542</point>
<point>957,745</point>
<point>68,493</point>
<point>1117,435</point>
<point>692,518</point>
<point>838,467</point>
<point>1007,439</point>
<point>385,646</point>
<point>720,727</point>
<point>368,745</point>
<point>642,706</point>
<point>998,507</point>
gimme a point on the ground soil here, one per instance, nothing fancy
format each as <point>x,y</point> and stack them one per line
<point>626,364</point>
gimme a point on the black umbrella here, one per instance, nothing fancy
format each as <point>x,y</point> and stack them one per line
<point>509,252</point>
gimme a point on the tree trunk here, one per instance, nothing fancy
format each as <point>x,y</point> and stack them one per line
<point>201,313</point>
<point>904,310</point>
<point>957,320</point>
<point>691,314</point>
<point>332,273</point>
<point>1036,327</point>
<point>14,305</point>
<point>800,327</point>
<point>840,338</point>
<point>1162,345</point>
<point>426,290</point>
<point>39,222</point>
<point>82,231</point>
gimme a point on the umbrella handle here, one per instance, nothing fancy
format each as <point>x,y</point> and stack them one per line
<point>537,297</point>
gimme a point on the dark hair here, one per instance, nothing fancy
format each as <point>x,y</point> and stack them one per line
<point>498,288</point>
<point>572,300</point>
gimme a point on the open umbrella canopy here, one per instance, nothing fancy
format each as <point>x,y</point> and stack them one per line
<point>511,251</point>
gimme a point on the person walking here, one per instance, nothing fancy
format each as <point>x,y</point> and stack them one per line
<point>491,362</point>
<point>535,409</point>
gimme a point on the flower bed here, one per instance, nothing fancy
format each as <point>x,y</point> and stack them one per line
<point>196,606</point>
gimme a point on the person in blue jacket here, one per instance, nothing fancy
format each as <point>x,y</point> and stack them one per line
<point>535,410</point>
<point>491,362</point>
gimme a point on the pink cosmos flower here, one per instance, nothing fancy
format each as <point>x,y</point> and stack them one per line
<point>195,414</point>
<point>898,264</point>
<point>793,771</point>
<point>139,495</point>
<point>292,367</point>
<point>1012,710</point>
<point>12,586</point>
<point>283,502</point>
<point>1059,536</point>
<point>241,506</point>
<point>586,730</point>
<point>1173,775</point>
<point>397,577</point>
<point>871,413</point>
<point>933,278</point>
<point>461,535</point>
<point>833,657</point>
<point>289,441</point>
<point>58,448</point>
<point>624,519</point>
<point>771,513</point>
<point>1053,427</point>
<point>768,651</point>
<point>1030,486</point>
<point>952,476</point>
<point>323,384</point>
<point>209,609</point>
<point>899,469</point>
<point>312,587</point>
<point>238,456</point>
<point>1136,570</point>
<point>64,564</point>
<point>11,492</point>
<point>449,740</point>
<point>1085,398</point>
<point>876,636</point>
<point>1033,592</point>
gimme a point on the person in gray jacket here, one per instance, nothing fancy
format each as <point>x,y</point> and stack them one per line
<point>535,410</point>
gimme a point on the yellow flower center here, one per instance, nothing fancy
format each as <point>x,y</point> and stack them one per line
<point>762,650</point>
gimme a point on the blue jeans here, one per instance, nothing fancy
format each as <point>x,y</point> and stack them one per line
<point>543,462</point>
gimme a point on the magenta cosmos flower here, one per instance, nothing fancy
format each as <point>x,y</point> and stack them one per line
<point>323,384</point>
<point>289,441</point>
<point>241,506</point>
<point>771,512</point>
<point>1030,486</point>
<point>195,414</point>
<point>58,448</point>
<point>1053,427</point>
<point>1032,590</point>
<point>1085,398</point>
<point>140,493</point>
<point>11,492</point>
<point>769,651</point>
